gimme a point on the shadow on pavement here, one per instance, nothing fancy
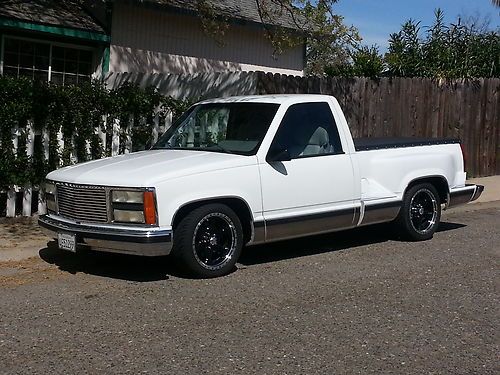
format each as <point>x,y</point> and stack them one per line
<point>319,244</point>
<point>446,226</point>
<point>117,266</point>
<point>145,269</point>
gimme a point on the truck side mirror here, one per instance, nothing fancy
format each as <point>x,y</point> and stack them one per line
<point>278,154</point>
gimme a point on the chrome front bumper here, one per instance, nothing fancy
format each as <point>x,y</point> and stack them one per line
<point>116,239</point>
<point>466,194</point>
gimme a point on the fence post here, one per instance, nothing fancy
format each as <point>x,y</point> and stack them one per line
<point>156,126</point>
<point>72,156</point>
<point>102,133</point>
<point>11,203</point>
<point>28,189</point>
<point>115,138</point>
<point>11,193</point>
<point>128,135</point>
<point>42,208</point>
<point>60,143</point>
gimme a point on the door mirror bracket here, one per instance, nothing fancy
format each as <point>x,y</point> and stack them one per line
<point>278,154</point>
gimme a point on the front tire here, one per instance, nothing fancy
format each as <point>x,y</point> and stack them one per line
<point>420,213</point>
<point>208,241</point>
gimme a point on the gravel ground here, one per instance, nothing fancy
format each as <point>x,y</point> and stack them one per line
<point>349,303</point>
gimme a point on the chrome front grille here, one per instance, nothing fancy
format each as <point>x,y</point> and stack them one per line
<point>82,203</point>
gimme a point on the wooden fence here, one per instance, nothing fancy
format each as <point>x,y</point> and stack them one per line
<point>26,200</point>
<point>413,107</point>
<point>469,110</point>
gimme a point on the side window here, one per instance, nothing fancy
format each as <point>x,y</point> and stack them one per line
<point>308,129</point>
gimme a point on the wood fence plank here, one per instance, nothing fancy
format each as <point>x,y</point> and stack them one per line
<point>115,137</point>
<point>28,189</point>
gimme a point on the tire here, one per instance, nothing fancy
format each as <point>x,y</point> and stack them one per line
<point>208,241</point>
<point>420,213</point>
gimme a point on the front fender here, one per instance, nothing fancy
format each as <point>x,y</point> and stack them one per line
<point>240,182</point>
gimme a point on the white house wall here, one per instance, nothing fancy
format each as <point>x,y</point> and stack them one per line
<point>155,41</point>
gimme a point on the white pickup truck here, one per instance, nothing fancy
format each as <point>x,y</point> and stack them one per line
<point>251,170</point>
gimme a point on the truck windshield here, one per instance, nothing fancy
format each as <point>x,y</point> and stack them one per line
<point>237,128</point>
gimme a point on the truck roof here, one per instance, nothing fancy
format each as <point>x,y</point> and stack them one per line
<point>278,98</point>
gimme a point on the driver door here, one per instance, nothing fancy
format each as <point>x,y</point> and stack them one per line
<point>307,178</point>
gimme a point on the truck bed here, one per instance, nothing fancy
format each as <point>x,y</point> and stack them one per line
<point>367,144</point>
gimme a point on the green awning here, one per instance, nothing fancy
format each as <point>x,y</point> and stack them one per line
<point>58,30</point>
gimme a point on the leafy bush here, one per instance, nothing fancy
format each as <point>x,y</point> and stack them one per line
<point>76,112</point>
<point>457,50</point>
<point>365,62</point>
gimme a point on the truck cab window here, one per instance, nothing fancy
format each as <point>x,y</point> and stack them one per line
<point>237,128</point>
<point>308,129</point>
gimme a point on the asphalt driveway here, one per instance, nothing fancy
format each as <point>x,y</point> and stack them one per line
<point>348,303</point>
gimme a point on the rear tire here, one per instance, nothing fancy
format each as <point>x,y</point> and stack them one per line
<point>208,241</point>
<point>420,213</point>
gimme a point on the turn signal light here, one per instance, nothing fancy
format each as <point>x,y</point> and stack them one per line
<point>149,207</point>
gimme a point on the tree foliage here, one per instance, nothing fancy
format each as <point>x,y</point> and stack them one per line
<point>291,23</point>
<point>457,50</point>
<point>364,62</point>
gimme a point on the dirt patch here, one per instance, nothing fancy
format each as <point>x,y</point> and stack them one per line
<point>20,238</point>
<point>27,271</point>
<point>20,232</point>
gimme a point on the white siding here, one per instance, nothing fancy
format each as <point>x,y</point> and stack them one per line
<point>155,41</point>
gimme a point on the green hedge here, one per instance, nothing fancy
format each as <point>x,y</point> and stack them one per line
<point>76,111</point>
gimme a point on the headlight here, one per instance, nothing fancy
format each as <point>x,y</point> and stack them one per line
<point>50,196</point>
<point>124,196</point>
<point>51,204</point>
<point>133,206</point>
<point>50,188</point>
<point>128,216</point>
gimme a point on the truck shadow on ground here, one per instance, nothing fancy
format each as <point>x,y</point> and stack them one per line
<point>330,242</point>
<point>144,269</point>
<point>115,266</point>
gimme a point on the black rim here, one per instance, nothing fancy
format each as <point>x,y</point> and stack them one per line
<point>423,211</point>
<point>214,241</point>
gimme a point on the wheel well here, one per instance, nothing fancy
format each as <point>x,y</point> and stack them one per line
<point>439,182</point>
<point>239,206</point>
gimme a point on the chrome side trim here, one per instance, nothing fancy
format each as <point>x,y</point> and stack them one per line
<point>380,212</point>
<point>468,193</point>
<point>478,192</point>
<point>304,225</point>
<point>259,233</point>
<point>357,215</point>
<point>147,242</point>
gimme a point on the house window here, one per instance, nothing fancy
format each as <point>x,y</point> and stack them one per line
<point>70,65</point>
<point>46,61</point>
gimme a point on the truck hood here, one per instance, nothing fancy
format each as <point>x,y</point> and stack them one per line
<point>148,168</point>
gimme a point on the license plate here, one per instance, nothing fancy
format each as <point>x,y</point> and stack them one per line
<point>66,242</point>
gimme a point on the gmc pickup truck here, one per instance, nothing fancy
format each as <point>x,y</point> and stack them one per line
<point>250,170</point>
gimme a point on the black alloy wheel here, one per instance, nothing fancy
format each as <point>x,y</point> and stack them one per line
<point>208,241</point>
<point>423,211</point>
<point>214,240</point>
<point>420,212</point>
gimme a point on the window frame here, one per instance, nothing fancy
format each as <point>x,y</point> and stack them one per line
<point>51,44</point>
<point>335,129</point>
